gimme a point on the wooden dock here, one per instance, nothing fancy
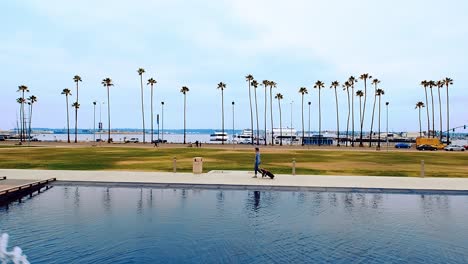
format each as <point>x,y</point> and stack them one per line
<point>11,190</point>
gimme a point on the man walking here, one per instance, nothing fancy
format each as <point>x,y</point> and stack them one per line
<point>257,161</point>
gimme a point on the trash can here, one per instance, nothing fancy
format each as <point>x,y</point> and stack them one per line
<point>197,165</point>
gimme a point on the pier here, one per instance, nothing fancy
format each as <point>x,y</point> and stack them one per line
<point>15,189</point>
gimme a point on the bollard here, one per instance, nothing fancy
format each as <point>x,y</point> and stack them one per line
<point>174,165</point>
<point>422,168</point>
<point>294,167</point>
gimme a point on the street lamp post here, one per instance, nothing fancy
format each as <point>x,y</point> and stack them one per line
<point>94,121</point>
<point>233,122</point>
<point>100,121</point>
<point>309,123</point>
<point>386,105</point>
<point>162,122</point>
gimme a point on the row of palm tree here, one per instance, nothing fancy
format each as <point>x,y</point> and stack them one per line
<point>25,128</point>
<point>436,84</point>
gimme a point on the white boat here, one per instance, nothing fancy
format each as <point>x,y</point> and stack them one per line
<point>285,134</point>
<point>244,138</point>
<point>219,136</point>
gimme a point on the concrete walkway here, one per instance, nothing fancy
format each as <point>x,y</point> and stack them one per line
<point>243,179</point>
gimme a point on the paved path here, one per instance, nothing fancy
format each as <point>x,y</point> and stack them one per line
<point>243,178</point>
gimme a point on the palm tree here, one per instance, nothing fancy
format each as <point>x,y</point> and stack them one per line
<point>379,93</point>
<point>32,100</point>
<point>107,82</point>
<point>249,78</point>
<point>265,83</point>
<point>346,86</point>
<point>255,86</point>
<point>151,82</point>
<point>280,97</point>
<point>352,80</point>
<point>222,86</point>
<point>420,105</point>
<point>447,81</point>
<point>303,91</point>
<point>76,105</point>
<point>23,89</point>
<point>76,79</point>
<point>319,85</point>
<point>425,84</point>
<point>20,101</point>
<point>272,85</point>
<point>140,72</point>
<point>335,84</point>
<point>360,94</point>
<point>440,84</point>
<point>67,92</point>
<point>375,82</point>
<point>185,90</point>
<point>432,84</point>
<point>364,77</point>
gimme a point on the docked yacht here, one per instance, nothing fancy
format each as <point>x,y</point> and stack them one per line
<point>286,135</point>
<point>244,138</point>
<point>219,136</point>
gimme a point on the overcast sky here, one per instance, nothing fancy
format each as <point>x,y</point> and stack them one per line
<point>200,43</point>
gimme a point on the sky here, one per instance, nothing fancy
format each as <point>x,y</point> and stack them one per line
<point>44,43</point>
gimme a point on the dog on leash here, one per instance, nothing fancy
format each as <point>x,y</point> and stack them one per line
<point>267,173</point>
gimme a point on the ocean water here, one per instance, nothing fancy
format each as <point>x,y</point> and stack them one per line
<point>77,224</point>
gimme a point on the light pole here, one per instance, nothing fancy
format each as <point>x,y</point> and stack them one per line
<point>309,123</point>
<point>386,105</point>
<point>94,121</point>
<point>291,122</point>
<point>100,121</point>
<point>162,122</point>
<point>233,122</point>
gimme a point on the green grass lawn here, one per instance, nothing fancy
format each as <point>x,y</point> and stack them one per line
<point>323,162</point>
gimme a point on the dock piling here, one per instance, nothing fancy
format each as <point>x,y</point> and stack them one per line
<point>174,165</point>
<point>294,167</point>
<point>422,169</point>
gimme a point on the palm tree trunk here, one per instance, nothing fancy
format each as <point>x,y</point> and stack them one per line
<point>427,110</point>
<point>352,118</point>
<point>363,111</point>
<point>378,143</point>
<point>360,117</point>
<point>448,125</point>
<point>68,120</point>
<point>372,119</point>
<point>76,115</point>
<point>302,119</point>
<point>108,117</point>
<point>30,118</point>
<point>152,115</point>
<point>142,107</point>
<point>222,113</point>
<point>440,114</point>
<point>320,121</point>
<point>23,124</point>
<point>433,127</point>
<point>256,113</point>
<point>185,108</point>
<point>265,115</point>
<point>281,126</point>
<point>20,128</point>
<point>251,114</point>
<point>271,114</point>
<point>420,127</point>
<point>349,113</point>
<point>337,119</point>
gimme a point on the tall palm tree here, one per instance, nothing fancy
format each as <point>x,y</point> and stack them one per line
<point>319,85</point>
<point>440,84</point>
<point>272,85</point>
<point>360,94</point>
<point>425,84</point>
<point>151,82</point>
<point>107,82</point>
<point>379,93</point>
<point>346,87</point>
<point>375,82</point>
<point>419,105</point>
<point>352,80</point>
<point>255,86</point>
<point>432,84</point>
<point>185,90</point>
<point>303,91</point>
<point>23,89</point>
<point>335,84</point>
<point>249,78</point>
<point>76,105</point>
<point>280,97</point>
<point>20,101</point>
<point>265,84</point>
<point>364,77</point>
<point>32,100</point>
<point>222,86</point>
<point>76,79</point>
<point>447,81</point>
<point>67,92</point>
<point>140,72</point>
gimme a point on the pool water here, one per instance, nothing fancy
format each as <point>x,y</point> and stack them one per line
<point>77,224</point>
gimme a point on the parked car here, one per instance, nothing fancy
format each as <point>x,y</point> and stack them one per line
<point>402,145</point>
<point>99,140</point>
<point>466,147</point>
<point>2,138</point>
<point>132,140</point>
<point>454,147</point>
<point>426,147</point>
<point>159,141</point>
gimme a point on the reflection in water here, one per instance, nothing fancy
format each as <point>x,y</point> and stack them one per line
<point>140,202</point>
<point>76,200</point>
<point>107,200</point>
